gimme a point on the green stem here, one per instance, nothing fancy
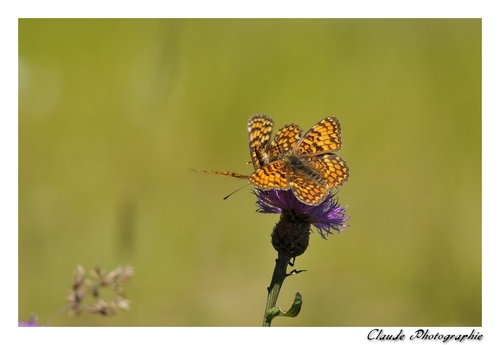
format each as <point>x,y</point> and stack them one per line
<point>273,290</point>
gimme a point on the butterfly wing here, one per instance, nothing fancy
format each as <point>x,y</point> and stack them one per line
<point>260,128</point>
<point>332,169</point>
<point>310,191</point>
<point>284,141</point>
<point>322,138</point>
<point>271,176</point>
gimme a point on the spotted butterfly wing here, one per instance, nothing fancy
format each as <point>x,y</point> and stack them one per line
<point>271,176</point>
<point>332,168</point>
<point>310,191</point>
<point>284,141</point>
<point>260,128</point>
<point>321,138</point>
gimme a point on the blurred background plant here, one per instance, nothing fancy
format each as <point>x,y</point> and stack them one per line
<point>113,113</point>
<point>93,286</point>
<point>99,279</point>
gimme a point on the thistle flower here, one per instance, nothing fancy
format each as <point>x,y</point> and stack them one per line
<point>32,322</point>
<point>291,234</point>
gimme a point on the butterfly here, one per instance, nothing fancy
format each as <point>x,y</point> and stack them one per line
<point>305,163</point>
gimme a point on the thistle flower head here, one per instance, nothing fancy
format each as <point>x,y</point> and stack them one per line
<point>291,234</point>
<point>32,322</point>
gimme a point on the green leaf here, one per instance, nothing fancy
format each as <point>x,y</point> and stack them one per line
<point>292,312</point>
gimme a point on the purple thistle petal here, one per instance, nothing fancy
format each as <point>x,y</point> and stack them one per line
<point>326,217</point>
<point>30,323</point>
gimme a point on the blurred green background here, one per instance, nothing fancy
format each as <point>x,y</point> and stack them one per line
<point>113,113</point>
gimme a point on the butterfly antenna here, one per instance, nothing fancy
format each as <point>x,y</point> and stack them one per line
<point>225,173</point>
<point>235,191</point>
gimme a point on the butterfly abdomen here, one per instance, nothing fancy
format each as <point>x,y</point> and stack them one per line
<point>302,167</point>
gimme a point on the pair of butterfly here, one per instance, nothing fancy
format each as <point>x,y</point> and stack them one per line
<point>306,164</point>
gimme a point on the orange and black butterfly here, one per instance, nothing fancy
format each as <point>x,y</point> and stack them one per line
<point>306,164</point>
